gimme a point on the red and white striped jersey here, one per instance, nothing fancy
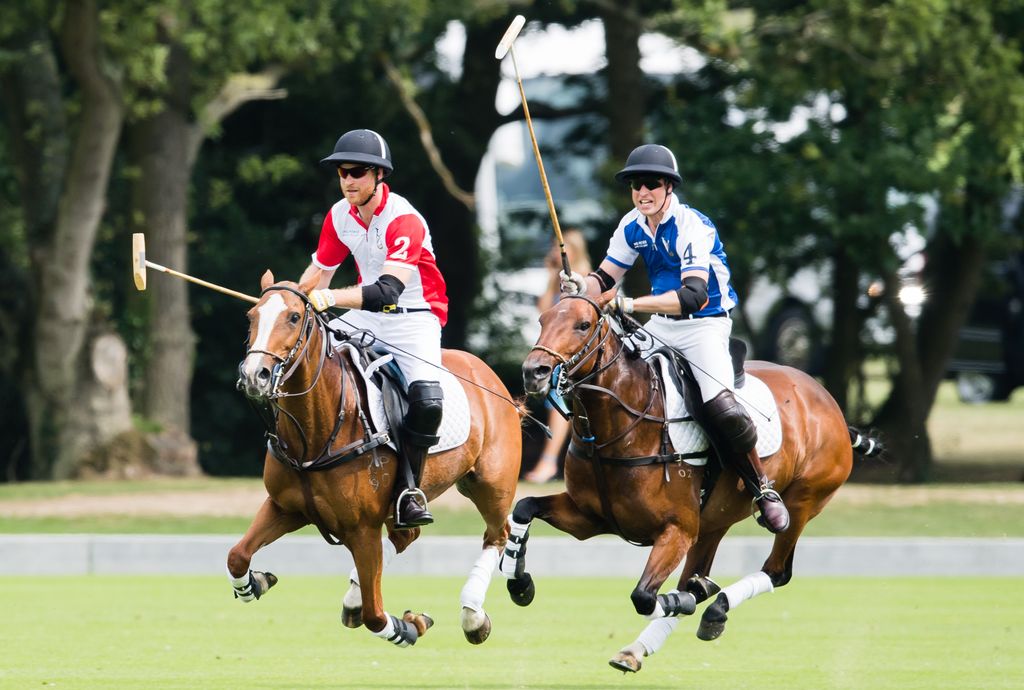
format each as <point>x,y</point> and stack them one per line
<point>396,236</point>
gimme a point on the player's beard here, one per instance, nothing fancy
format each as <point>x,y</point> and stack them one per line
<point>363,199</point>
<point>359,199</point>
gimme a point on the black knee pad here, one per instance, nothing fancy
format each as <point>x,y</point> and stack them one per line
<point>730,422</point>
<point>425,409</point>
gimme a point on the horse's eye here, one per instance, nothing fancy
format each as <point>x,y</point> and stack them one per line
<point>294,318</point>
<point>583,326</point>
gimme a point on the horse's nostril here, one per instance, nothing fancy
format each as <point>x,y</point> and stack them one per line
<point>263,374</point>
<point>542,371</point>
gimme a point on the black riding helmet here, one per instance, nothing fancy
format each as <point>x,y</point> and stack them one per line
<point>650,159</point>
<point>361,146</point>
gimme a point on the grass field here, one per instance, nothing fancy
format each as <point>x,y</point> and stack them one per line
<point>977,510</point>
<point>166,633</point>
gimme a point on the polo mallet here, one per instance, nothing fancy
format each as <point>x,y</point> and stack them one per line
<point>140,263</point>
<point>507,47</point>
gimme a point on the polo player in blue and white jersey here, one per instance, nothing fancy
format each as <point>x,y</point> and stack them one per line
<point>691,300</point>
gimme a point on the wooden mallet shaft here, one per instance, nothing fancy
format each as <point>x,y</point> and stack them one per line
<point>507,46</point>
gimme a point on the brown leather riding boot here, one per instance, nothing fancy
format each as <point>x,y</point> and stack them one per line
<point>774,516</point>
<point>411,503</point>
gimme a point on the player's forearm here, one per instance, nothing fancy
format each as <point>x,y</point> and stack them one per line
<point>665,303</point>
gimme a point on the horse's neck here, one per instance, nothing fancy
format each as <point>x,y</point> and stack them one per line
<point>316,410</point>
<point>630,380</point>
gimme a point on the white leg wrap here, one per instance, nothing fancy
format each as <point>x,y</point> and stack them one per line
<point>747,588</point>
<point>475,589</point>
<point>388,631</point>
<point>472,619</point>
<point>507,564</point>
<point>398,632</point>
<point>388,552</point>
<point>242,586</point>
<point>654,635</point>
<point>353,598</point>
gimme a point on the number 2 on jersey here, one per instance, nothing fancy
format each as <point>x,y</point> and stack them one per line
<point>402,249</point>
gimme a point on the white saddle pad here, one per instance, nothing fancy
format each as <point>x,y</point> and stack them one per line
<point>688,437</point>
<point>454,429</point>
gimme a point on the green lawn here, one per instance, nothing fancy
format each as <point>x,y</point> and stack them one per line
<point>187,632</point>
<point>986,510</point>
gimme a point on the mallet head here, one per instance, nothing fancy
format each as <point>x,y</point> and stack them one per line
<point>510,36</point>
<point>139,260</point>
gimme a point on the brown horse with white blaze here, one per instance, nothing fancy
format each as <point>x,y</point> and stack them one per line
<point>328,465</point>
<point>620,479</point>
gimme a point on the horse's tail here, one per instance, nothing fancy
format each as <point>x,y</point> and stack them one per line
<point>864,443</point>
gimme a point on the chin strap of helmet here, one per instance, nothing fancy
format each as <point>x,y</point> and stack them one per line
<point>668,193</point>
<point>376,185</point>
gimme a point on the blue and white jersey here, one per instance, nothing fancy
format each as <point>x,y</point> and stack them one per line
<point>686,241</point>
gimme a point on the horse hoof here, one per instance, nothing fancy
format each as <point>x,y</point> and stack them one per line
<point>261,582</point>
<point>702,588</point>
<point>352,617</point>
<point>521,590</point>
<point>421,621</point>
<point>712,623</point>
<point>476,630</point>
<point>710,631</point>
<point>625,661</point>
<point>352,606</point>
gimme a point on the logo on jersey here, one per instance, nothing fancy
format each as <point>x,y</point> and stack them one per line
<point>640,244</point>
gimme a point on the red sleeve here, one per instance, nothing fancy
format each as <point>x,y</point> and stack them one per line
<point>330,252</point>
<point>404,240</point>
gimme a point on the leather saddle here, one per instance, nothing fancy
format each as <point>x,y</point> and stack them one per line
<point>394,387</point>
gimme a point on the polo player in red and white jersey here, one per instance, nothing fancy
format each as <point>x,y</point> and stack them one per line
<point>400,295</point>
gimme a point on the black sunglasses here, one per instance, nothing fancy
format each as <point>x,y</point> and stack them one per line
<point>355,172</point>
<point>652,183</point>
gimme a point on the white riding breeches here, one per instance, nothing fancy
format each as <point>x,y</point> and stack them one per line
<point>705,345</point>
<point>414,339</point>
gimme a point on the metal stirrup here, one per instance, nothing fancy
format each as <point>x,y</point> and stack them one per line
<point>766,491</point>
<point>414,491</point>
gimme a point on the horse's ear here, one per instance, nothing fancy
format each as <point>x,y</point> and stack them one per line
<point>605,297</point>
<point>267,280</point>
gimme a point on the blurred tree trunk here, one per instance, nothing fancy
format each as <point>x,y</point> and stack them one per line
<point>844,351</point>
<point>159,146</point>
<point>471,123</point>
<point>37,141</point>
<point>953,276</point>
<point>627,98</point>
<point>67,367</point>
<point>164,147</point>
<point>627,102</point>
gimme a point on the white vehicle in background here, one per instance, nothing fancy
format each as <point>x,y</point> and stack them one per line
<point>515,225</point>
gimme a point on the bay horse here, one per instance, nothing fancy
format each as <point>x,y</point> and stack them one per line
<point>620,478</point>
<point>327,464</point>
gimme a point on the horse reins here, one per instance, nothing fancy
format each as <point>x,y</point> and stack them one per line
<point>326,459</point>
<point>572,364</point>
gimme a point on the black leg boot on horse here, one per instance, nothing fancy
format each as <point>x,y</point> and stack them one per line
<point>736,438</point>
<point>419,433</point>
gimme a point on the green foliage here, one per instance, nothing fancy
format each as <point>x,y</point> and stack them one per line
<point>254,170</point>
